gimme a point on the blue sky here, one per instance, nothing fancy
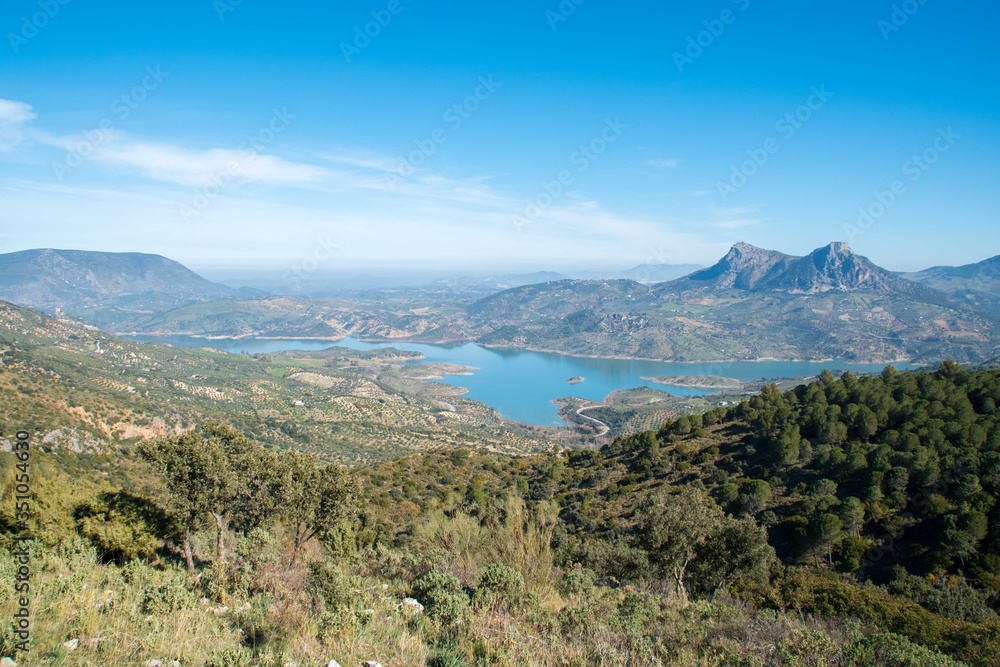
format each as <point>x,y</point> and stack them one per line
<point>516,135</point>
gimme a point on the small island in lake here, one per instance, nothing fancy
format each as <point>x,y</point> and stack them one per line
<point>696,381</point>
<point>576,379</point>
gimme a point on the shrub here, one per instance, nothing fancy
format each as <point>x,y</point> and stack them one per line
<point>850,552</point>
<point>808,648</point>
<point>889,650</point>
<point>164,591</point>
<point>123,526</point>
<point>246,571</point>
<point>442,595</point>
<point>639,609</point>
<point>233,657</point>
<point>578,581</point>
<point>330,584</point>
<point>447,657</point>
<point>948,596</point>
<point>499,585</point>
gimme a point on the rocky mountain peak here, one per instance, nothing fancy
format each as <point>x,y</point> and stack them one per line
<point>835,267</point>
<point>743,267</point>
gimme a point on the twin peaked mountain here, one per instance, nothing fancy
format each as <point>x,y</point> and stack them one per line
<point>752,304</point>
<point>832,267</point>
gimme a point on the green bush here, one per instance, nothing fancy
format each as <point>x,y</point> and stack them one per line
<point>737,660</point>
<point>123,526</point>
<point>499,585</point>
<point>329,583</point>
<point>808,648</point>
<point>578,581</point>
<point>889,650</point>
<point>442,595</point>
<point>948,596</point>
<point>447,657</point>
<point>163,591</point>
<point>234,657</point>
<point>260,627</point>
<point>639,609</point>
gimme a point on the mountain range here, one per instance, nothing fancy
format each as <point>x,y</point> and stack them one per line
<point>977,284</point>
<point>752,304</point>
<point>104,288</point>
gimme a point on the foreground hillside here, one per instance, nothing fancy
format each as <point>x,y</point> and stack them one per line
<point>848,522</point>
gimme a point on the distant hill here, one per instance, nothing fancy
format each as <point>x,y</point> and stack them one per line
<point>753,303</point>
<point>976,284</point>
<point>104,288</point>
<point>643,273</point>
<point>988,269</point>
<point>499,282</point>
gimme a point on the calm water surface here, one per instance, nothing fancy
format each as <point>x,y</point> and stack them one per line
<point>521,384</point>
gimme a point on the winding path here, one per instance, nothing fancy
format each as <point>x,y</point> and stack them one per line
<point>604,426</point>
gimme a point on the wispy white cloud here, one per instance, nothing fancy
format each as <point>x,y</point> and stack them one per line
<point>361,198</point>
<point>183,166</point>
<point>663,163</point>
<point>363,160</point>
<point>13,116</point>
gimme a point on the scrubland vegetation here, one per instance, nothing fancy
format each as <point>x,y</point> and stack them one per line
<point>852,521</point>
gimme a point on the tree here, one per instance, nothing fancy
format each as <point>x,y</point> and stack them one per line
<point>825,530</point>
<point>196,476</point>
<point>789,446</point>
<point>220,472</point>
<point>256,493</point>
<point>736,551</point>
<point>315,498</point>
<point>852,513</point>
<point>673,528</point>
<point>755,494</point>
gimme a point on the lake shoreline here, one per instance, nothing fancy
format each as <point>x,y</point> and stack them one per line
<point>488,346</point>
<point>520,385</point>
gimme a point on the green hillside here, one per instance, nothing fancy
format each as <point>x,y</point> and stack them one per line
<point>850,521</point>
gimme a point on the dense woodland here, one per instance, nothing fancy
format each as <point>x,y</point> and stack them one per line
<point>850,521</point>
